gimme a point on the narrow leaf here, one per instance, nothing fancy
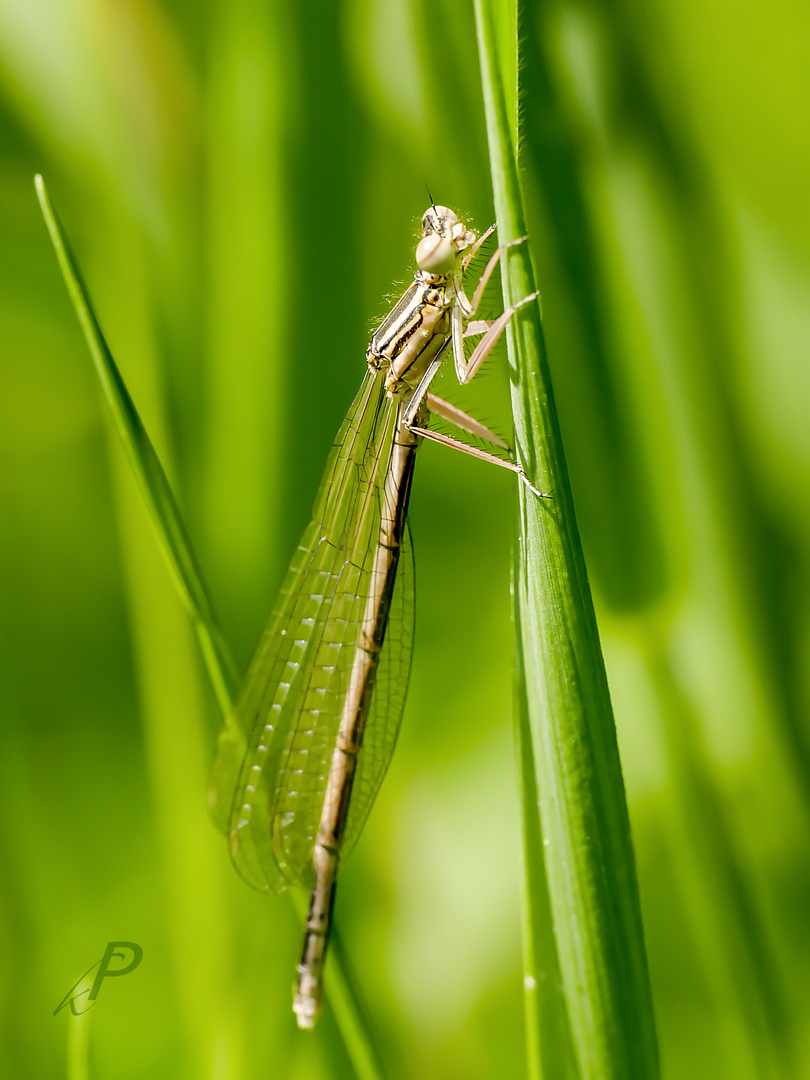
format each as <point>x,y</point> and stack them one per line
<point>589,860</point>
<point>149,472</point>
<point>182,561</point>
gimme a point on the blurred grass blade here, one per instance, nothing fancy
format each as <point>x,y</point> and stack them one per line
<point>350,1016</point>
<point>148,471</point>
<point>589,857</point>
<point>346,1001</point>
<point>173,537</point>
<point>78,1055</point>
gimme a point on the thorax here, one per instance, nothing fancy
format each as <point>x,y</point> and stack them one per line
<point>413,332</point>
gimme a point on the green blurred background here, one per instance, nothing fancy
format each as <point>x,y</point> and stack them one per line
<point>241,181</point>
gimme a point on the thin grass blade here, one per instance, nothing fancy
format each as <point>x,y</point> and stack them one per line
<point>549,1051</point>
<point>149,472</point>
<point>174,540</point>
<point>589,857</point>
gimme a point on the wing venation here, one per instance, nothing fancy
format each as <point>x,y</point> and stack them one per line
<point>274,754</point>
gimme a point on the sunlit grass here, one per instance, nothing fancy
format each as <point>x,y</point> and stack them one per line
<point>564,702</point>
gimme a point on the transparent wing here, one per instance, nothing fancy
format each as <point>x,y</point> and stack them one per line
<point>268,779</point>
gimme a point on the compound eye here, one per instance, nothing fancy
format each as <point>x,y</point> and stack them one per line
<point>430,223</point>
<point>435,255</point>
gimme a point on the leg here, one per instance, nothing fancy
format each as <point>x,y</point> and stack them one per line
<point>411,412</point>
<point>462,420</point>
<point>469,307</point>
<point>412,408</point>
<point>478,327</point>
<point>482,239</point>
<point>467,369</point>
<point>482,455</point>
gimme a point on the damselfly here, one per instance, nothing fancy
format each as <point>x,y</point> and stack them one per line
<point>314,725</point>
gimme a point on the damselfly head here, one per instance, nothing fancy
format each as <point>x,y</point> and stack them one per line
<point>443,237</point>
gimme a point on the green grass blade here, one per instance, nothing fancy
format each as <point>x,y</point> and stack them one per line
<point>350,1017</point>
<point>549,1052</point>
<point>78,1055</point>
<point>589,857</point>
<point>176,545</point>
<point>346,1001</point>
<point>148,471</point>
